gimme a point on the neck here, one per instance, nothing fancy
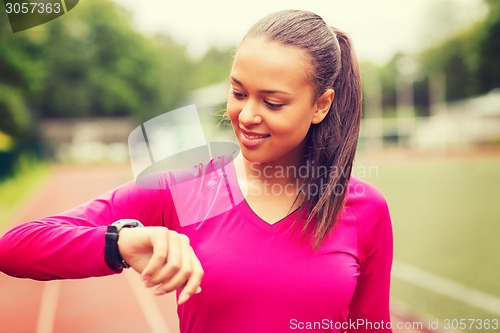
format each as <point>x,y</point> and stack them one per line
<point>275,183</point>
<point>275,172</point>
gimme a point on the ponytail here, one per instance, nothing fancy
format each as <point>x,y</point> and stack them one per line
<point>333,143</point>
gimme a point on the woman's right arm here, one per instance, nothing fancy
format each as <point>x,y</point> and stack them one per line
<point>71,244</point>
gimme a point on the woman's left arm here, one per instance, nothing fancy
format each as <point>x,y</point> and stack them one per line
<point>369,307</point>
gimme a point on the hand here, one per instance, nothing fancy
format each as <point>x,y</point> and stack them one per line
<point>164,259</point>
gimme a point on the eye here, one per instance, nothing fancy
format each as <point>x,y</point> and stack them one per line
<point>273,106</point>
<point>238,95</point>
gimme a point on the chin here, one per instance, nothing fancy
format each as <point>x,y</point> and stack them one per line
<point>253,155</point>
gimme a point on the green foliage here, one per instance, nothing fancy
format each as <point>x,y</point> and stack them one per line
<point>20,62</point>
<point>103,67</point>
<point>21,70</point>
<point>16,120</point>
<point>213,67</point>
<point>92,62</point>
<point>458,58</point>
<point>489,49</point>
<point>174,74</point>
<point>470,58</point>
<point>469,61</point>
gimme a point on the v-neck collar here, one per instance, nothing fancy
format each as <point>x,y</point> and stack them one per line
<point>243,206</point>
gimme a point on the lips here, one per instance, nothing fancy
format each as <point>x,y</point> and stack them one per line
<point>252,139</point>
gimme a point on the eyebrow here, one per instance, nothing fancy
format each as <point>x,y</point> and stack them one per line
<point>263,91</point>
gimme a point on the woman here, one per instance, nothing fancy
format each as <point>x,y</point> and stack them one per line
<point>300,245</point>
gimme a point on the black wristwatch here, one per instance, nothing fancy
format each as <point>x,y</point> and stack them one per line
<point>112,255</point>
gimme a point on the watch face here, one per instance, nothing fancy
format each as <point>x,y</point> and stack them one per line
<point>127,223</point>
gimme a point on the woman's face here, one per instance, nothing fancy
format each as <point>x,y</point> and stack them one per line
<point>271,103</point>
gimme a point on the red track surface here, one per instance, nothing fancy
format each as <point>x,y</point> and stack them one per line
<point>111,304</point>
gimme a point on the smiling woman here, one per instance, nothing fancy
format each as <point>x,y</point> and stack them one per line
<point>248,250</point>
<point>284,109</point>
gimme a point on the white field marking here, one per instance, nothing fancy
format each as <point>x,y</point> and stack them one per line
<point>48,307</point>
<point>446,287</point>
<point>403,310</point>
<point>148,304</point>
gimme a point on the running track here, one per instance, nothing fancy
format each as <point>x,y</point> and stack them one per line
<point>111,304</point>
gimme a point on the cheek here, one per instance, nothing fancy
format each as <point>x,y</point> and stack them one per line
<point>295,126</point>
<point>232,112</point>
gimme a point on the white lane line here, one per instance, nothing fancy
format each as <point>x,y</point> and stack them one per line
<point>48,307</point>
<point>148,304</point>
<point>446,287</point>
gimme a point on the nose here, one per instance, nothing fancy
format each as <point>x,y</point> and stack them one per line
<point>249,114</point>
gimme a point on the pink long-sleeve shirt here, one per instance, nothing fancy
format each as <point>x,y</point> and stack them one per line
<point>259,277</point>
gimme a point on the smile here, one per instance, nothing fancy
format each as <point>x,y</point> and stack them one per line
<point>254,137</point>
<point>252,140</point>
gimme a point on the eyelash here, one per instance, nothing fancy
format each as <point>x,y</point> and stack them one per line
<point>271,106</point>
<point>238,95</point>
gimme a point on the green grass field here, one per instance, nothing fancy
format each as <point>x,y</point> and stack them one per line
<point>16,189</point>
<point>446,219</point>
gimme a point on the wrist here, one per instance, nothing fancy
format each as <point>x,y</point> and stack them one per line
<point>112,254</point>
<point>124,247</point>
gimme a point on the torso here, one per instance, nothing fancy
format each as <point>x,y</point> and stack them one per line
<point>260,271</point>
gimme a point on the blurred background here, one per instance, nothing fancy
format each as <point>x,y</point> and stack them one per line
<point>73,89</point>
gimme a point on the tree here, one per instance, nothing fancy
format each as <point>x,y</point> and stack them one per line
<point>101,66</point>
<point>489,49</point>
<point>213,67</point>
<point>92,62</point>
<point>21,70</point>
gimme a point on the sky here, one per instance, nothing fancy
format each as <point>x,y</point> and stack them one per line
<point>378,28</point>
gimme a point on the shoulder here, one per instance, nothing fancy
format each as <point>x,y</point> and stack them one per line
<point>363,196</point>
<point>373,222</point>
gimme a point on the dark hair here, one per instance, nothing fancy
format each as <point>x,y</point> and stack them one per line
<point>331,143</point>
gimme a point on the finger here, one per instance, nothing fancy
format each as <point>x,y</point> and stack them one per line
<point>193,285</point>
<point>160,242</point>
<point>180,278</point>
<point>172,264</point>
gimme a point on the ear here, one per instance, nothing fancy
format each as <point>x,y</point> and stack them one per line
<point>322,106</point>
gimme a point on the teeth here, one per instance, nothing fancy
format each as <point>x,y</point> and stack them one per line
<point>253,137</point>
